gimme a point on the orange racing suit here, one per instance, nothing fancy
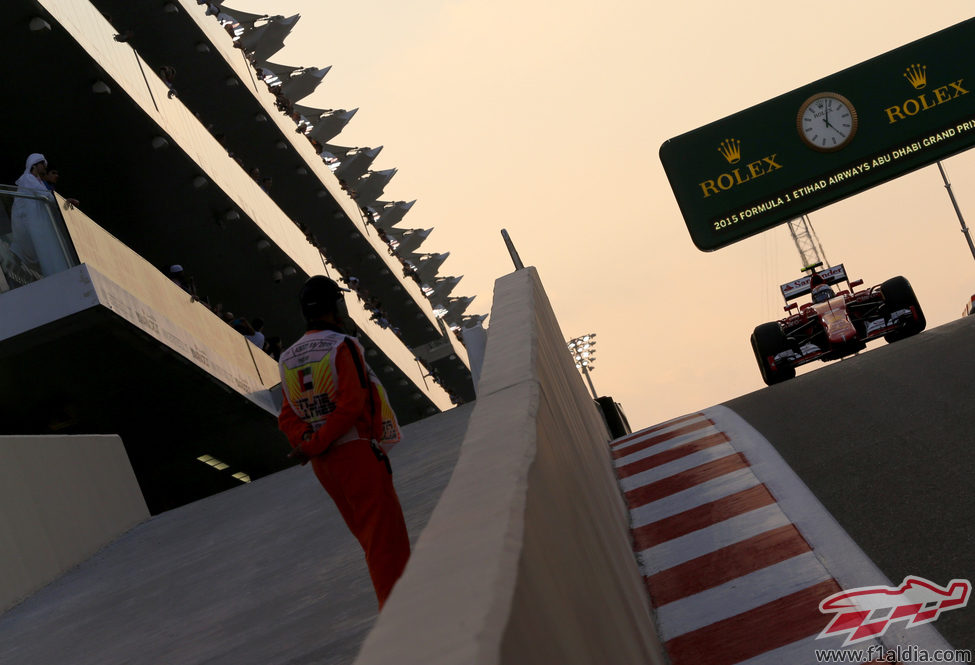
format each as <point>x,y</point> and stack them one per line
<point>335,412</point>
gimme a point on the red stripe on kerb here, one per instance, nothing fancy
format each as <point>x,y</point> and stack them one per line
<point>685,480</point>
<point>725,564</point>
<point>756,631</point>
<point>650,430</point>
<point>670,455</point>
<point>700,517</point>
<point>660,438</point>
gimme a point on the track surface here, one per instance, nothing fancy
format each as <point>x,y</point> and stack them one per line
<point>885,441</point>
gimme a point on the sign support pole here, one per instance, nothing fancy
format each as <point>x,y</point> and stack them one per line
<point>951,195</point>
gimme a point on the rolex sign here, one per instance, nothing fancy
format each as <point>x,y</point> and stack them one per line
<point>827,140</point>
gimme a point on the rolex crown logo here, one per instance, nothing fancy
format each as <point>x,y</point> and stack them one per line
<point>730,149</point>
<point>917,76</point>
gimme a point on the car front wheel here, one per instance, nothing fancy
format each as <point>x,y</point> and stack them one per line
<point>768,341</point>
<point>898,295</point>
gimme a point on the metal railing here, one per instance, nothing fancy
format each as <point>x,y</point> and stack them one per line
<point>34,241</point>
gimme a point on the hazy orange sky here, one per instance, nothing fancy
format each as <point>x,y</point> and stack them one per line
<point>546,118</point>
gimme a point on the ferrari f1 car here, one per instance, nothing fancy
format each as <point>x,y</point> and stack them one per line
<point>835,325</point>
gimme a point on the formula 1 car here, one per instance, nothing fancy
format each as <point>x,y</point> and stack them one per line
<point>836,326</point>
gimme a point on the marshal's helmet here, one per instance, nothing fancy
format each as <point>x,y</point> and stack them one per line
<point>319,296</point>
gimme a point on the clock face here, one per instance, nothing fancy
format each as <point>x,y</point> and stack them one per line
<point>827,121</point>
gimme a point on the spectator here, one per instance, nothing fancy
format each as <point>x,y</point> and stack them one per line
<point>182,280</point>
<point>273,347</point>
<point>51,180</point>
<point>35,240</point>
<point>243,326</point>
<point>257,338</point>
<point>168,75</point>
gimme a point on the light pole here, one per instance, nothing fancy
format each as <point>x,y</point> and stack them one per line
<point>583,350</point>
<point>951,195</point>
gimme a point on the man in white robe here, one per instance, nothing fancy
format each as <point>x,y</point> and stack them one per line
<point>35,240</point>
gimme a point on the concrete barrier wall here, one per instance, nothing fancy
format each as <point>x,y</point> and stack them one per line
<point>527,557</point>
<point>62,498</point>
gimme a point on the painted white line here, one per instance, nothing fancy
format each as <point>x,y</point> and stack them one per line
<point>712,490</point>
<point>803,652</point>
<point>847,563</point>
<point>704,541</point>
<point>666,445</point>
<point>676,466</point>
<point>740,595</point>
<point>657,432</point>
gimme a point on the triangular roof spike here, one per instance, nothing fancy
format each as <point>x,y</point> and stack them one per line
<point>264,41</point>
<point>340,151</point>
<point>406,233</point>
<point>286,22</point>
<point>393,213</point>
<point>455,308</point>
<point>442,286</point>
<point>330,124</point>
<point>356,163</point>
<point>299,86</point>
<point>427,265</point>
<point>471,320</point>
<point>370,186</point>
<point>240,16</point>
<point>410,239</point>
<point>281,71</point>
<point>311,114</point>
<point>252,35</point>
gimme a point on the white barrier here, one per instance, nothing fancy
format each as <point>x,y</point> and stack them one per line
<point>62,498</point>
<point>527,556</point>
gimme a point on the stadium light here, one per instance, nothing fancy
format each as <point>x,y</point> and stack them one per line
<point>583,350</point>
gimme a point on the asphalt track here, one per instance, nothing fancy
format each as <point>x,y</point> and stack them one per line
<point>884,440</point>
<point>264,573</point>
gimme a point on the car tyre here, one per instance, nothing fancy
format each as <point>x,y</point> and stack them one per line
<point>898,294</point>
<point>768,340</point>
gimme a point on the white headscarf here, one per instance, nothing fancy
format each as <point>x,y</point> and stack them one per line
<point>30,181</point>
<point>34,159</point>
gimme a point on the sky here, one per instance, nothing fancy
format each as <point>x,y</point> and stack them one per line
<point>545,119</point>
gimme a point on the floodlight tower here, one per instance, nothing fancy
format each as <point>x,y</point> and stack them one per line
<point>583,350</point>
<point>807,242</point>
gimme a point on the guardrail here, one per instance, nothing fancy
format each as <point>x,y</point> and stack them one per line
<point>527,556</point>
<point>33,240</point>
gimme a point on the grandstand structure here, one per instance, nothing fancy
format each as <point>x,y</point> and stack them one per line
<point>186,143</point>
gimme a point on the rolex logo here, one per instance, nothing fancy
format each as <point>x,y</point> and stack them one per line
<point>730,149</point>
<point>917,76</point>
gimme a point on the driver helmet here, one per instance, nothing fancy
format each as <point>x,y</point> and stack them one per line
<point>819,288</point>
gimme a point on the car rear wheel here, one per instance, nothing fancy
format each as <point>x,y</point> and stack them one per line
<point>768,341</point>
<point>899,295</point>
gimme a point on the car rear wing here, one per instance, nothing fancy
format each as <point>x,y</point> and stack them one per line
<point>800,287</point>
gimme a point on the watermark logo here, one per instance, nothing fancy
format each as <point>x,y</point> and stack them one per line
<point>864,613</point>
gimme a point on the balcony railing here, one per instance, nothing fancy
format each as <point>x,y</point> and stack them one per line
<point>34,242</point>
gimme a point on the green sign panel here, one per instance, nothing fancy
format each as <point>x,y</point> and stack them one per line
<point>827,140</point>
